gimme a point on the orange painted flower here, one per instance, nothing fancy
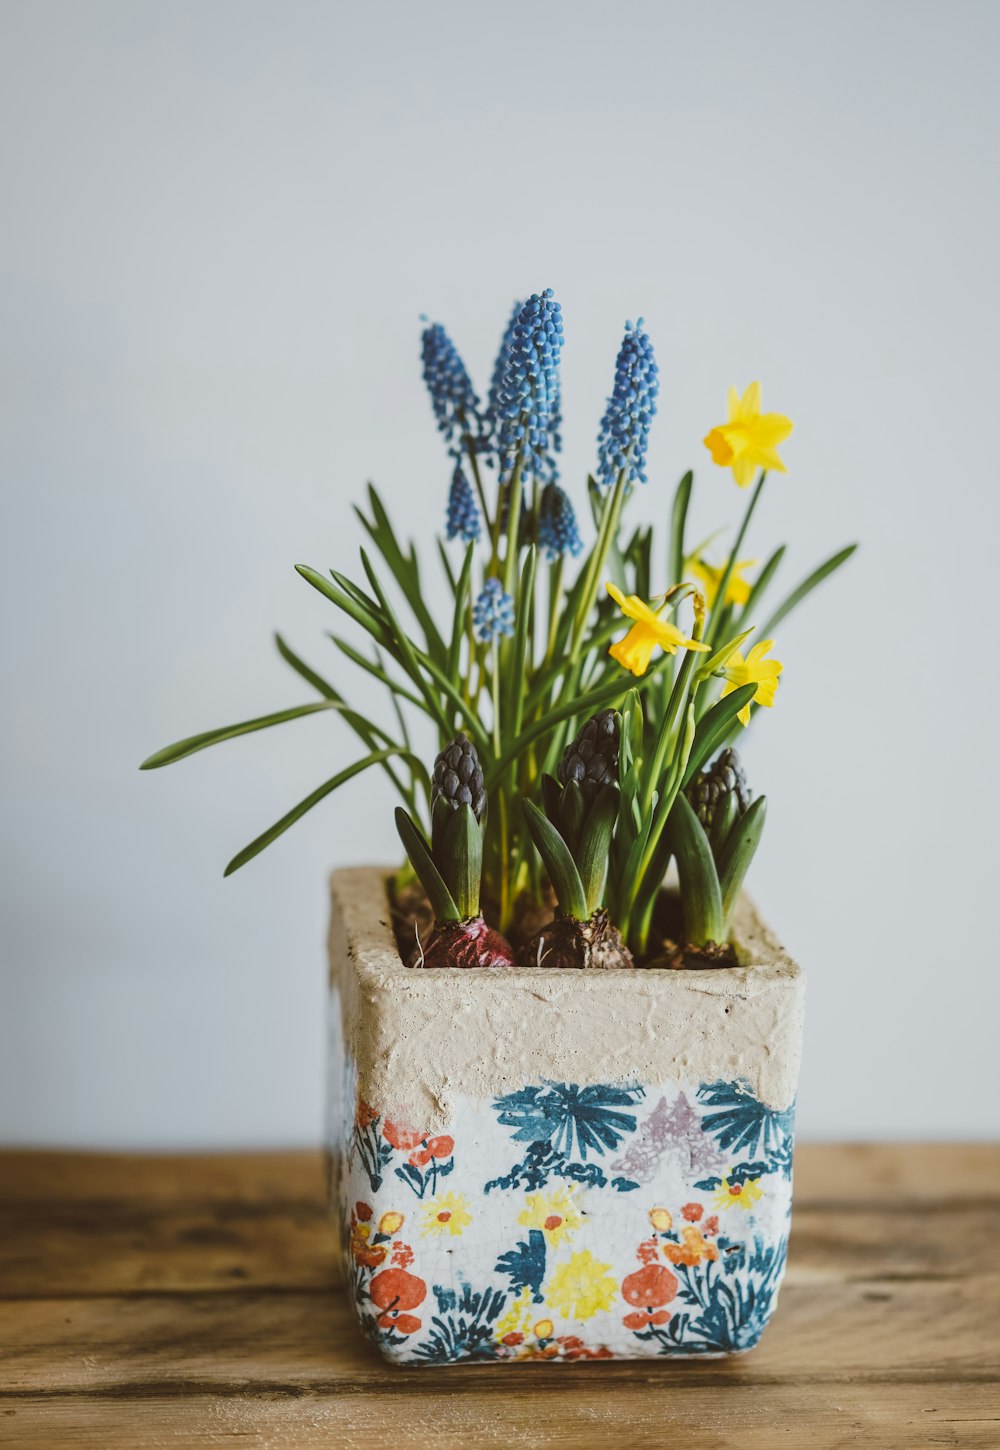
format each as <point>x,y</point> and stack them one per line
<point>402,1323</point>
<point>401,1137</point>
<point>661,1219</point>
<point>363,1211</point>
<point>712,1224</point>
<point>642,1318</point>
<point>394,1291</point>
<point>363,1252</point>
<point>649,1287</point>
<point>692,1249</point>
<point>441,1147</point>
<point>692,1212</point>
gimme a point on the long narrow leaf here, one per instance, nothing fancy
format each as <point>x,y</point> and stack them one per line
<point>806,587</point>
<point>377,671</point>
<point>714,726</point>
<point>350,605</point>
<point>183,748</point>
<point>306,672</point>
<point>515,664</point>
<point>405,645</point>
<point>459,616</point>
<point>559,863</point>
<point>762,581</point>
<point>678,520</point>
<point>320,793</point>
<point>405,570</point>
<point>416,847</point>
<point>738,852</point>
<point>595,845</point>
<point>701,896</point>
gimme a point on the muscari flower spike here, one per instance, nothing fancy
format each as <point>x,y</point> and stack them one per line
<point>463,515</point>
<point>491,417</point>
<point>528,393</point>
<point>558,532</point>
<point>630,411</point>
<point>453,398</point>
<point>493,614</point>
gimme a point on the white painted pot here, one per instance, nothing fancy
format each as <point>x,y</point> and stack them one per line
<point>531,1163</point>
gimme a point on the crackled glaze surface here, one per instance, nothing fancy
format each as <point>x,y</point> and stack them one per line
<point>567,1221</point>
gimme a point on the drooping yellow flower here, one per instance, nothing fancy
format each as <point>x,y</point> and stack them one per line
<point>737,590</point>
<point>649,631</point>
<point>447,1213</point>
<point>749,440</point>
<point>390,1223</point>
<point>581,1287</point>
<point>745,1194</point>
<point>754,670</point>
<point>555,1213</point>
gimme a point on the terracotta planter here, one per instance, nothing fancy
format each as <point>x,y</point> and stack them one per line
<point>560,1165</point>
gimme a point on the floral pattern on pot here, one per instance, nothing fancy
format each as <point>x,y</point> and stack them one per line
<point>566,1221</point>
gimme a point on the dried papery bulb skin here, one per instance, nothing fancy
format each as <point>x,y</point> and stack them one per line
<point>463,944</point>
<point>566,942</point>
<point>458,777</point>
<point>725,776</point>
<point>592,758</point>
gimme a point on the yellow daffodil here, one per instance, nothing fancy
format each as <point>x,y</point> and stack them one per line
<point>647,633</point>
<point>555,1213</point>
<point>581,1287</point>
<point>447,1213</point>
<point>754,670</point>
<point>749,440</point>
<point>737,590</point>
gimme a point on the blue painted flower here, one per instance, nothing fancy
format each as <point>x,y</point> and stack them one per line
<point>493,615</point>
<point>528,392</point>
<point>463,515</point>
<point>453,398</point>
<point>630,411</point>
<point>557,527</point>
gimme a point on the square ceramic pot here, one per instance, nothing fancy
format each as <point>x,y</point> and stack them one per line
<point>567,1165</point>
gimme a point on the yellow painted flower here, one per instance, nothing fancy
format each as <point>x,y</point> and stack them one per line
<point>544,1329</point>
<point>744,1194</point>
<point>447,1213</point>
<point>581,1287</point>
<point>661,1219</point>
<point>749,440</point>
<point>737,590</point>
<point>390,1223</point>
<point>515,1319</point>
<point>555,1213</point>
<point>754,670</point>
<point>647,633</point>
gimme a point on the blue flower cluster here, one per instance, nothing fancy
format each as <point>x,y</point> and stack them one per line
<point>463,515</point>
<point>492,414</point>
<point>453,398</point>
<point>630,411</point>
<point>558,532</point>
<point>528,392</point>
<point>493,615</point>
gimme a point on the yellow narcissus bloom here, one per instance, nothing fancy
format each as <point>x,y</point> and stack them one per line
<point>647,633</point>
<point>754,670</point>
<point>737,590</point>
<point>749,441</point>
<point>733,1193</point>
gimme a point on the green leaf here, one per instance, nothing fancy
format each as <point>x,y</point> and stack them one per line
<point>594,849</point>
<point>515,662</point>
<point>461,860</point>
<point>378,671</point>
<point>551,795</point>
<point>446,562</point>
<point>404,570</point>
<point>405,647</point>
<point>714,726</point>
<point>701,895</point>
<point>459,617</point>
<point>417,849</point>
<point>806,587</point>
<point>305,671</point>
<point>320,793</point>
<point>350,606</point>
<point>738,852</point>
<point>762,581</point>
<point>678,520</point>
<point>721,656</point>
<point>183,748</point>
<point>559,863</point>
<point>723,822</point>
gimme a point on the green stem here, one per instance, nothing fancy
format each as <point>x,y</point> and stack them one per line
<point>607,530</point>
<point>555,599</point>
<point>718,608</point>
<point>513,530</point>
<point>474,465</point>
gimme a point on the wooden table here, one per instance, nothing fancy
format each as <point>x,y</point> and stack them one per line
<point>190,1301</point>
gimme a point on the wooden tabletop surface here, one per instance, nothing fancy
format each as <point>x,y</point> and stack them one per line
<point>191,1301</point>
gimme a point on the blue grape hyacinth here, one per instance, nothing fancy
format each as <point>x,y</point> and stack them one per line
<point>493,615</point>
<point>528,392</point>
<point>491,417</point>
<point>630,411</point>
<point>463,515</point>
<point>558,532</point>
<point>453,398</point>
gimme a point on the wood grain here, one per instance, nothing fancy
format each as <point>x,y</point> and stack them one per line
<point>191,1301</point>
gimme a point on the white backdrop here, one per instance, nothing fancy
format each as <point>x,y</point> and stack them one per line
<point>222,222</point>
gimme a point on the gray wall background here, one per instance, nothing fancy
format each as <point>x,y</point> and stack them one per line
<point>221,224</point>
